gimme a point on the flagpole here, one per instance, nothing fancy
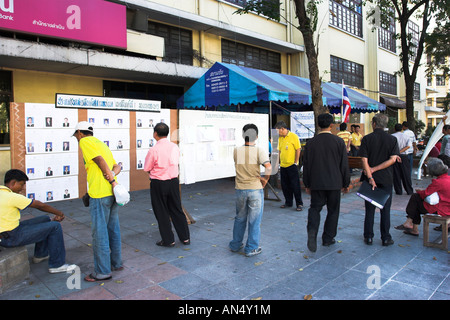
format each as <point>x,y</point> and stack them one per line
<point>342,102</point>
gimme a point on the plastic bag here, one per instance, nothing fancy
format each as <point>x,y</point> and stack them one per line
<point>121,194</point>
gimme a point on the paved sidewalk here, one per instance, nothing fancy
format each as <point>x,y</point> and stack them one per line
<point>206,269</point>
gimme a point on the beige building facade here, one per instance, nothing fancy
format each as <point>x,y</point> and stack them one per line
<point>170,44</point>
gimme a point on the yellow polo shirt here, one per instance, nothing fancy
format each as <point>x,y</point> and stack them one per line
<point>356,139</point>
<point>288,146</point>
<point>10,205</point>
<point>345,135</point>
<point>91,147</point>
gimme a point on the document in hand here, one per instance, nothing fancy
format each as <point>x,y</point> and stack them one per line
<point>376,197</point>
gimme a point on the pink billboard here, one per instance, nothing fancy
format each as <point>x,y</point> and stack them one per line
<point>92,21</point>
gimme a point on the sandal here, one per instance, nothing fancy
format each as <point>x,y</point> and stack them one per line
<point>92,278</point>
<point>409,231</point>
<point>401,227</point>
<point>299,208</point>
<point>284,206</point>
<point>162,244</point>
<point>186,242</point>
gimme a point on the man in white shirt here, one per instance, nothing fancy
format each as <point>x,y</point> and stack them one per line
<point>412,138</point>
<point>402,170</point>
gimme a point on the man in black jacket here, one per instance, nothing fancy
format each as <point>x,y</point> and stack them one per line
<point>325,174</point>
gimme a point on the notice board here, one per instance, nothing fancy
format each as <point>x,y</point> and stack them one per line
<point>207,140</point>
<point>43,147</point>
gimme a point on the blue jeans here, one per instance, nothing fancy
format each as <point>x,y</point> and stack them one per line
<point>47,236</point>
<point>249,206</point>
<point>106,241</point>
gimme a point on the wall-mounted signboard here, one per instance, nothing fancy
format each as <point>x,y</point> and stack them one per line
<point>91,21</point>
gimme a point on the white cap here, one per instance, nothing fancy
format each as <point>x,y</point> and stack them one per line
<point>84,126</point>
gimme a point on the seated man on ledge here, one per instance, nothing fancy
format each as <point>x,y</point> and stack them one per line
<point>419,204</point>
<point>45,233</point>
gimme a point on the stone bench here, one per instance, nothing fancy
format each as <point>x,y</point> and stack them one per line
<point>444,222</point>
<point>14,266</point>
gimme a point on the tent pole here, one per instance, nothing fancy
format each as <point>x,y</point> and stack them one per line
<point>270,116</point>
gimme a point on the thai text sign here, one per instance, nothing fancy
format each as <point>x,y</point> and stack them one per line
<point>92,21</point>
<point>93,102</point>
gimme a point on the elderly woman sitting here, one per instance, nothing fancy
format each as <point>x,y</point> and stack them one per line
<point>419,203</point>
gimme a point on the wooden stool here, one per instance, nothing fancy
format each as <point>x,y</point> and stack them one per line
<point>444,222</point>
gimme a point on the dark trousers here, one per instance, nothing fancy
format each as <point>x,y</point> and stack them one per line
<point>402,175</point>
<point>166,204</point>
<point>332,198</point>
<point>415,208</point>
<point>290,185</point>
<point>385,216</point>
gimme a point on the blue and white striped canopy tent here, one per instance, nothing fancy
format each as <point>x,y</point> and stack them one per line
<point>225,85</point>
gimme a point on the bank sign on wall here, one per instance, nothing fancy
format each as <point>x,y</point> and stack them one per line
<point>91,21</point>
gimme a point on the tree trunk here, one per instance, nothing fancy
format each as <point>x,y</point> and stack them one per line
<point>311,54</point>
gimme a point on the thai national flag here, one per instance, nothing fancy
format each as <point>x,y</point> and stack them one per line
<point>346,104</point>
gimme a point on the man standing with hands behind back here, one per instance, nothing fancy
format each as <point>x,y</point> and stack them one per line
<point>289,148</point>
<point>101,170</point>
<point>379,151</point>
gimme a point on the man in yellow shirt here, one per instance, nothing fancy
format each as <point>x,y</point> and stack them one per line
<point>345,135</point>
<point>289,152</point>
<point>101,170</point>
<point>46,234</point>
<point>356,140</point>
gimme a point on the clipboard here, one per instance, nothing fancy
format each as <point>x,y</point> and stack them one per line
<point>377,197</point>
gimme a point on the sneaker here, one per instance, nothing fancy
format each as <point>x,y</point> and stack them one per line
<point>37,260</point>
<point>241,246</point>
<point>254,252</point>
<point>64,268</point>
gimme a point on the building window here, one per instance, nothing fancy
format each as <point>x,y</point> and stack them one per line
<point>6,96</point>
<point>248,56</point>
<point>413,32</point>
<point>416,93</point>
<point>168,95</point>
<point>346,15</point>
<point>177,42</point>
<point>350,72</point>
<point>386,35</point>
<point>440,102</point>
<point>240,3</point>
<point>440,80</point>
<point>388,83</point>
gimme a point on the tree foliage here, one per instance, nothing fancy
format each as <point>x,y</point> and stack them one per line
<point>307,15</point>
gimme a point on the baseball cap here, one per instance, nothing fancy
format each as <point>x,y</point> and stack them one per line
<point>84,126</point>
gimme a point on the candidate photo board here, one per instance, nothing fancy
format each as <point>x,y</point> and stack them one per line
<point>43,146</point>
<point>51,159</point>
<point>207,140</point>
<point>145,122</point>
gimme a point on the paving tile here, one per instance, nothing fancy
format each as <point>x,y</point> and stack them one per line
<point>152,293</point>
<point>124,284</point>
<point>185,285</point>
<point>394,290</point>
<point>97,292</point>
<point>162,272</point>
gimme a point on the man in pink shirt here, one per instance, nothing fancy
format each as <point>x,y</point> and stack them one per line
<point>161,163</point>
